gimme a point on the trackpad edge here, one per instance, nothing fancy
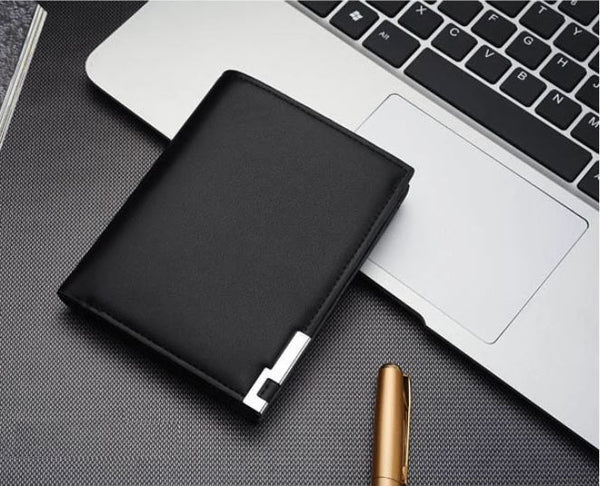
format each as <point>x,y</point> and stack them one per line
<point>472,237</point>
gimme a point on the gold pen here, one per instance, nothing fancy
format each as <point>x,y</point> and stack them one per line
<point>392,427</point>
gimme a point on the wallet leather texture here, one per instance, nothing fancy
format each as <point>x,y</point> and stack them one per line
<point>245,231</point>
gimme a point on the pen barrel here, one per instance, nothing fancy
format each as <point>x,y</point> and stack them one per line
<point>390,454</point>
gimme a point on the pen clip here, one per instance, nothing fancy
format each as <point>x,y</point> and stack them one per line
<point>406,425</point>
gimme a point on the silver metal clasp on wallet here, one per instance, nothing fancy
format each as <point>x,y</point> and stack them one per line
<point>278,373</point>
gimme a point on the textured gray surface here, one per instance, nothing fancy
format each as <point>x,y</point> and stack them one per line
<point>15,19</point>
<point>81,404</point>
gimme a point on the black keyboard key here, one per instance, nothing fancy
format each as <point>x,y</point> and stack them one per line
<point>558,109</point>
<point>596,27</point>
<point>420,20</point>
<point>460,11</point>
<point>494,28</point>
<point>322,9</point>
<point>576,41</point>
<point>509,7</point>
<point>589,182</point>
<point>498,114</point>
<point>488,64</point>
<point>586,131</point>
<point>454,42</point>
<point>354,19</point>
<point>582,11</point>
<point>588,93</point>
<point>523,86</point>
<point>391,44</point>
<point>542,20</point>
<point>594,62</point>
<point>563,72</point>
<point>388,7</point>
<point>528,50</point>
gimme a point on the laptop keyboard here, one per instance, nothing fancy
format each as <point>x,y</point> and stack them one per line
<point>526,71</point>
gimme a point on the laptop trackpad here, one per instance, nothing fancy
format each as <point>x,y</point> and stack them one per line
<point>472,238</point>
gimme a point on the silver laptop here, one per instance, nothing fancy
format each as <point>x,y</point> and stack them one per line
<point>494,104</point>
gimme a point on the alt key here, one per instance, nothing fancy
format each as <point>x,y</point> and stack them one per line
<point>391,44</point>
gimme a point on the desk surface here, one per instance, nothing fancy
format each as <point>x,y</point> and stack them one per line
<point>82,404</point>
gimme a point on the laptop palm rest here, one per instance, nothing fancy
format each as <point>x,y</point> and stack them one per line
<point>478,253</point>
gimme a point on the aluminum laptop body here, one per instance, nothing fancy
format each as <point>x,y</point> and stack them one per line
<point>505,268</point>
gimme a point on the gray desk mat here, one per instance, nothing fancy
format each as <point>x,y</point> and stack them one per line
<point>79,404</point>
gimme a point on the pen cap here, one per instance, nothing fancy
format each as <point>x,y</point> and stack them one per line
<point>392,416</point>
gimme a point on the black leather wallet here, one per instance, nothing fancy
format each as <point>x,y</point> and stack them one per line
<point>235,246</point>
